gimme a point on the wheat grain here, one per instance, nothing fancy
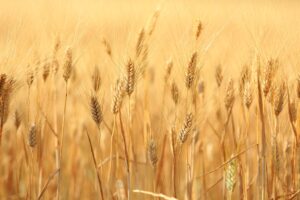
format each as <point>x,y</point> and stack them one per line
<point>130,78</point>
<point>219,75</point>
<point>152,152</point>
<point>32,137</point>
<point>118,96</point>
<point>68,65</point>
<point>186,128</point>
<point>279,98</point>
<point>190,74</point>
<point>199,29</point>
<point>96,110</point>
<point>175,93</point>
<point>229,98</point>
<point>17,121</point>
<point>96,79</point>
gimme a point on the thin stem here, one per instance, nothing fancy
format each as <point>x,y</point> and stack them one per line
<point>188,174</point>
<point>228,161</point>
<point>111,148</point>
<point>174,173</point>
<point>205,189</point>
<point>247,157</point>
<point>275,158</point>
<point>95,165</point>
<point>31,183</point>
<point>47,183</point>
<point>55,131</point>
<point>262,149</point>
<point>64,117</point>
<point>159,169</point>
<point>126,154</point>
<point>174,155</point>
<point>60,142</point>
<point>154,194</point>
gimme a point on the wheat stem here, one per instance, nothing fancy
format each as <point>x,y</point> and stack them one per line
<point>95,165</point>
<point>126,154</point>
<point>111,148</point>
<point>60,143</point>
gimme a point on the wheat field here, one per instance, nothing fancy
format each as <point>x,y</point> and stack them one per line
<point>168,99</point>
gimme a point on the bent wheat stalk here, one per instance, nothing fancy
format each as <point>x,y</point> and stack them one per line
<point>154,194</point>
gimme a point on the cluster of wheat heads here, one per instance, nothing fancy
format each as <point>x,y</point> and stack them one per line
<point>128,147</point>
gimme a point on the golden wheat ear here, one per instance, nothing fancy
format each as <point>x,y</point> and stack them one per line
<point>32,137</point>
<point>186,128</point>
<point>279,98</point>
<point>190,74</point>
<point>229,97</point>
<point>96,79</point>
<point>248,96</point>
<point>219,75</point>
<point>269,74</point>
<point>130,78</point>
<point>107,46</point>
<point>140,43</point>
<point>152,152</point>
<point>68,64</point>
<point>118,96</point>
<point>46,71</point>
<point>96,111</point>
<point>175,93</point>
<point>168,70</point>
<point>198,30</point>
<point>17,119</point>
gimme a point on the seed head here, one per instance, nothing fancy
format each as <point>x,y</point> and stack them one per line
<point>175,93</point>
<point>7,86</point>
<point>199,30</point>
<point>152,152</point>
<point>279,98</point>
<point>186,128</point>
<point>168,70</point>
<point>17,121</point>
<point>190,75</point>
<point>140,43</point>
<point>46,71</point>
<point>30,77</point>
<point>229,98</point>
<point>269,74</point>
<point>219,75</point>
<point>271,94</point>
<point>245,78</point>
<point>96,79</point>
<point>107,47</point>
<point>247,97</point>
<point>32,139</point>
<point>153,22</point>
<point>68,65</point>
<point>96,110</point>
<point>118,96</point>
<point>130,78</point>
<point>230,175</point>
